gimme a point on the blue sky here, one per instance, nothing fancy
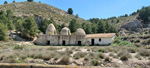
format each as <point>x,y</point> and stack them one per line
<point>95,8</point>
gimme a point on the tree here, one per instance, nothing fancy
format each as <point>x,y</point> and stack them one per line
<point>3,18</point>
<point>9,14</point>
<point>11,25</point>
<point>5,2</point>
<point>44,25</point>
<point>3,32</point>
<point>19,25</point>
<point>70,11</point>
<point>94,28</point>
<point>101,26</point>
<point>53,22</point>
<point>126,15</point>
<point>39,1</point>
<point>61,27</point>
<point>72,25</point>
<point>77,15</point>
<point>87,27</point>
<point>30,0</point>
<point>144,14</point>
<point>14,1</point>
<point>30,27</point>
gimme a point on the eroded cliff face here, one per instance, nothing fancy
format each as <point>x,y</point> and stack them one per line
<point>134,25</point>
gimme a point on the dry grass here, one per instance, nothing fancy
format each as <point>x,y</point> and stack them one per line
<point>69,56</point>
<point>79,55</point>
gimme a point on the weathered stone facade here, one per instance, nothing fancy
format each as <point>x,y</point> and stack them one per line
<point>65,38</point>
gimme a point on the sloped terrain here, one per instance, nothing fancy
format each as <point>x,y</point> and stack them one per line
<point>40,11</point>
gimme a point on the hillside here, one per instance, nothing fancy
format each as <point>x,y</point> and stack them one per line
<point>118,22</point>
<point>40,11</point>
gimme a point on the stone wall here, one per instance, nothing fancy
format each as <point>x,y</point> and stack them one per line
<point>58,39</point>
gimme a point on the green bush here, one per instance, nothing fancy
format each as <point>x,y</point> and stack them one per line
<point>132,50</point>
<point>17,47</point>
<point>101,50</point>
<point>119,42</point>
<point>3,32</point>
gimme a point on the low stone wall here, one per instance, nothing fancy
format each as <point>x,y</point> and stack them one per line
<point>8,65</point>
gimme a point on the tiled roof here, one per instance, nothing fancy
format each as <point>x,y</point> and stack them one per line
<point>100,35</point>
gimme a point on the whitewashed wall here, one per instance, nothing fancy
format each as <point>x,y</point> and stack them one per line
<point>104,41</point>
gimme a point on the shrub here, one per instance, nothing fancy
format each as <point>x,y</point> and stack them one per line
<point>107,59</point>
<point>69,51</point>
<point>124,58</point>
<point>101,55</point>
<point>64,60</point>
<point>120,42</point>
<point>111,54</point>
<point>137,44</point>
<point>132,50</point>
<point>79,55</point>
<point>146,42</point>
<point>144,52</point>
<point>124,55</point>
<point>137,41</point>
<point>101,50</point>
<point>138,56</point>
<point>48,55</point>
<point>86,58</point>
<point>94,62</point>
<point>17,47</point>
<point>3,32</point>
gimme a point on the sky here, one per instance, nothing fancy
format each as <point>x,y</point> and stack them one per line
<point>87,9</point>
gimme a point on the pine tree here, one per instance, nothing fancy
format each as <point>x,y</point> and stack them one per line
<point>19,25</point>
<point>5,2</point>
<point>72,25</point>
<point>11,25</point>
<point>53,22</point>
<point>14,1</point>
<point>3,32</point>
<point>44,25</point>
<point>70,11</point>
<point>30,27</point>
<point>94,28</point>
<point>30,0</point>
<point>101,27</point>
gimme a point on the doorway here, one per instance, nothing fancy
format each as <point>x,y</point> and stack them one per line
<point>79,43</point>
<point>63,43</point>
<point>92,41</point>
<point>48,43</point>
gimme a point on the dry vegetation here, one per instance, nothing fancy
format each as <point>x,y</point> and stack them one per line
<point>105,56</point>
<point>41,10</point>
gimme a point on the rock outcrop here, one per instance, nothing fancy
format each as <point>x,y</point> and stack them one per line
<point>135,25</point>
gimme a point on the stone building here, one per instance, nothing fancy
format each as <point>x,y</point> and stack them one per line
<point>79,38</point>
